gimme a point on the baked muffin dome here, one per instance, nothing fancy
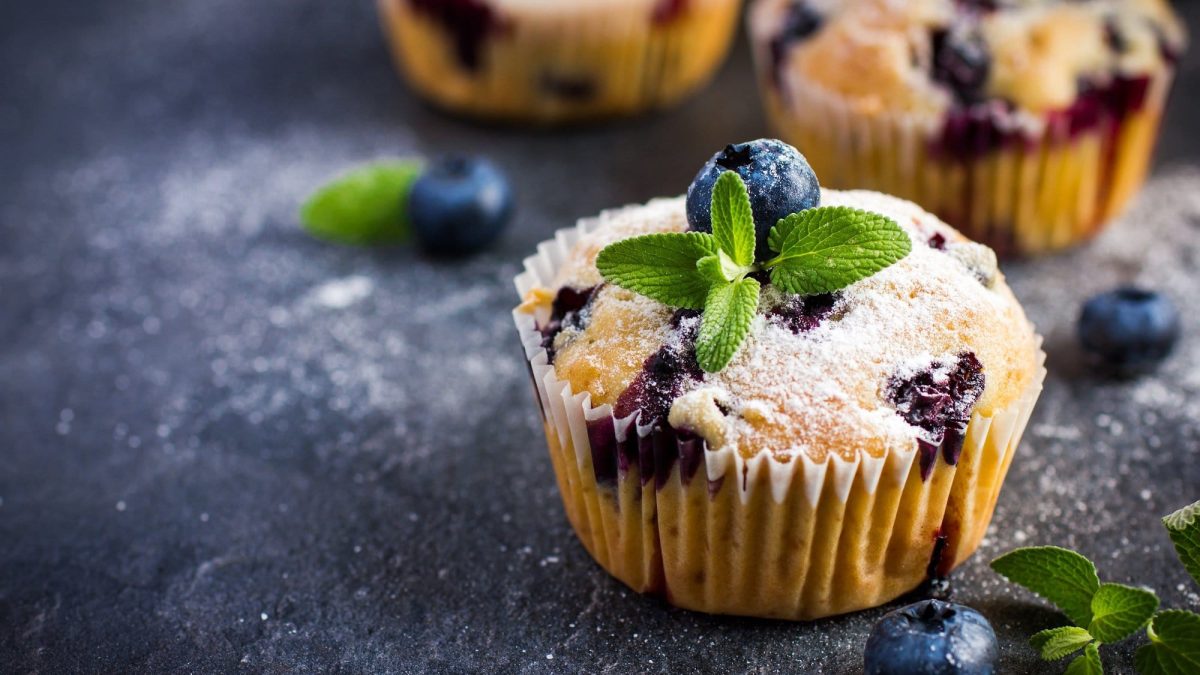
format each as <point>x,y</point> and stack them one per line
<point>818,375</point>
<point>1026,124</point>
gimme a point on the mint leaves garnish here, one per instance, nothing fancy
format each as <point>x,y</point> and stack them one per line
<point>1107,613</point>
<point>820,250</point>
<point>364,206</point>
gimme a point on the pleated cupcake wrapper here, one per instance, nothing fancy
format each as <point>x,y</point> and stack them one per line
<point>719,533</point>
<point>561,65</point>
<point>1044,188</point>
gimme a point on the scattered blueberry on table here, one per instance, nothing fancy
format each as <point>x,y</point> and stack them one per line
<point>1128,330</point>
<point>932,637</point>
<point>459,205</point>
<point>778,178</point>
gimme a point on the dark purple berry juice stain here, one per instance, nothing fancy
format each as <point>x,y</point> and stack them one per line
<point>799,22</point>
<point>939,401</point>
<point>571,309</point>
<point>663,375</point>
<point>801,314</point>
<point>469,22</point>
<point>667,11</point>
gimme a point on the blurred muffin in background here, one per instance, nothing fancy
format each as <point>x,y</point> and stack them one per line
<point>550,61</point>
<point>1027,124</point>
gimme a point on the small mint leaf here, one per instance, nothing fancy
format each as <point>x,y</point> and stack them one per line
<point>1087,663</point>
<point>728,313</point>
<point>1183,526</point>
<point>663,266</point>
<point>1059,575</point>
<point>368,205</point>
<point>1055,643</point>
<point>1174,647</point>
<point>1119,611</point>
<point>710,268</point>
<point>825,249</point>
<point>732,219</point>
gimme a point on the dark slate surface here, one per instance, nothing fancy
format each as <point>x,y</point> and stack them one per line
<point>226,446</point>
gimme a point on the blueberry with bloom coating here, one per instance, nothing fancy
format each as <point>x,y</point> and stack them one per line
<point>933,638</point>
<point>1128,329</point>
<point>459,205</point>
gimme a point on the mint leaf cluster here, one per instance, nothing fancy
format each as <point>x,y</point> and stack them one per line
<point>364,206</point>
<point>819,250</point>
<point>1104,613</point>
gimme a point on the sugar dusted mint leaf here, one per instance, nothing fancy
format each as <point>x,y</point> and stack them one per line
<point>1087,663</point>
<point>825,249</point>
<point>365,206</point>
<point>661,266</point>
<point>1184,528</point>
<point>1055,643</point>
<point>732,219</point>
<point>720,268</point>
<point>1174,647</point>
<point>1119,611</point>
<point>728,314</point>
<point>1059,575</point>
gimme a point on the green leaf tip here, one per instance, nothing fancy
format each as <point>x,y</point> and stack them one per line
<point>728,315</point>
<point>1059,575</point>
<point>1183,527</point>
<point>1174,647</point>
<point>827,248</point>
<point>1056,643</point>
<point>663,267</point>
<point>732,219</point>
<point>1119,611</point>
<point>365,206</point>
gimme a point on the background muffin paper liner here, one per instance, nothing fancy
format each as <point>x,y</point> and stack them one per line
<point>559,63</point>
<point>1045,189</point>
<point>716,533</point>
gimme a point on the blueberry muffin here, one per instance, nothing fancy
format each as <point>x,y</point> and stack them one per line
<point>548,61</point>
<point>852,446</point>
<point>1027,124</point>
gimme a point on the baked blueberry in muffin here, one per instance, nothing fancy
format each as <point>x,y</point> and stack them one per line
<point>1025,123</point>
<point>793,433</point>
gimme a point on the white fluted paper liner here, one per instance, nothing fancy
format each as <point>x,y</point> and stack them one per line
<point>803,539</point>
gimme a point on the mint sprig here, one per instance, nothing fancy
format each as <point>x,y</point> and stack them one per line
<point>820,250</point>
<point>365,206</point>
<point>1107,613</point>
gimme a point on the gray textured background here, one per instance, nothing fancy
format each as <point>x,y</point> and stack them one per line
<point>224,445</point>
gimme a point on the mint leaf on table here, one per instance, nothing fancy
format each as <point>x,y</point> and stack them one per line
<point>1120,611</point>
<point>365,206</point>
<point>662,266</point>
<point>1087,663</point>
<point>1174,647</point>
<point>732,219</point>
<point>1059,575</point>
<point>1183,526</point>
<point>1055,643</point>
<point>728,314</point>
<point>828,248</point>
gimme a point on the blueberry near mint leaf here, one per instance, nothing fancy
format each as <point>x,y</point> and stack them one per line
<point>778,178</point>
<point>459,206</point>
<point>1129,330</point>
<point>932,637</point>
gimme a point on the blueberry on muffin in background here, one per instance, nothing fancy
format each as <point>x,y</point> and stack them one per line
<point>1026,125</point>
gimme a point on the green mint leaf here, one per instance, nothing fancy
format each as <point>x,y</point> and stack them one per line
<point>728,313</point>
<point>720,268</point>
<point>368,205</point>
<point>1087,663</point>
<point>828,248</point>
<point>1118,611</point>
<point>1055,643</point>
<point>1184,528</point>
<point>1059,575</point>
<point>1174,647</point>
<point>732,219</point>
<point>663,267</point>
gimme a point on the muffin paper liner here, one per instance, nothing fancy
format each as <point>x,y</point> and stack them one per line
<point>715,532</point>
<point>560,64</point>
<point>1035,186</point>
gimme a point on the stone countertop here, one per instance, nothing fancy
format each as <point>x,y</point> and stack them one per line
<point>224,445</point>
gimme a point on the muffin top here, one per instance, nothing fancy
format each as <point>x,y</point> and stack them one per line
<point>925,56</point>
<point>900,358</point>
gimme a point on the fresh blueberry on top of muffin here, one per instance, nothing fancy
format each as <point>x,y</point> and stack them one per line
<point>778,178</point>
<point>1129,330</point>
<point>932,637</point>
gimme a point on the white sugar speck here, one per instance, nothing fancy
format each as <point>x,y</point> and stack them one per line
<point>121,505</point>
<point>263,616</point>
<point>341,293</point>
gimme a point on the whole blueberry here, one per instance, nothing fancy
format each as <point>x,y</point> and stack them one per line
<point>777,176</point>
<point>1129,329</point>
<point>459,205</point>
<point>932,637</point>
